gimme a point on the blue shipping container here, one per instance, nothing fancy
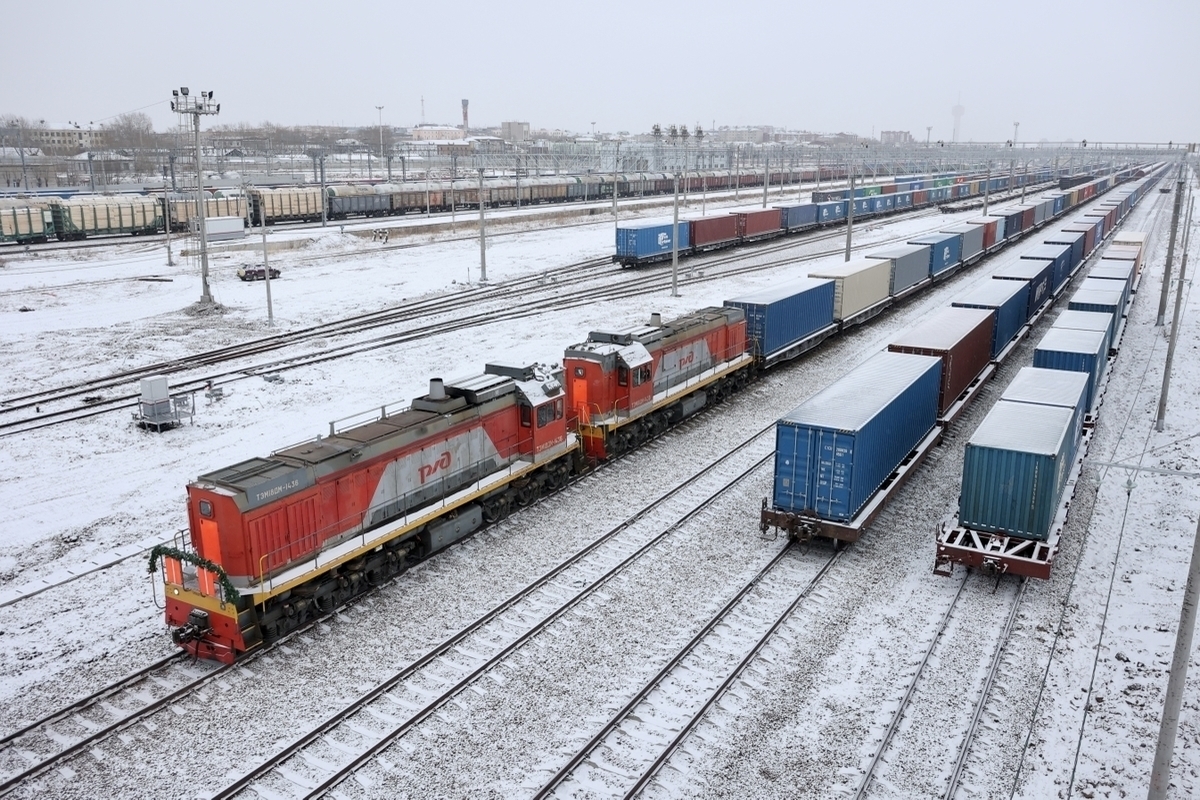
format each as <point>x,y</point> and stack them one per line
<point>837,448</point>
<point>1010,299</point>
<point>641,242</point>
<point>1086,321</point>
<point>782,316</point>
<point>882,203</point>
<point>1015,468</point>
<point>1036,273</point>
<point>1059,255</point>
<point>1104,301</point>
<point>831,211</point>
<point>903,199</point>
<point>1074,239</point>
<point>796,217</point>
<point>1075,351</point>
<point>1120,272</point>
<point>945,250</point>
<point>862,206</point>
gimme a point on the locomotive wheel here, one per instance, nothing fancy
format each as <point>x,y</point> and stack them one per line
<point>528,493</point>
<point>496,508</point>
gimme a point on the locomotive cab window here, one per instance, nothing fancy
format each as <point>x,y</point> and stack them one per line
<point>545,414</point>
<point>579,373</point>
<point>641,375</point>
<point>622,375</point>
<point>206,508</point>
<point>525,416</point>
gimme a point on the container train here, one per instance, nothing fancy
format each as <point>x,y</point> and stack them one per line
<point>275,542</point>
<point>842,453</point>
<point>646,242</point>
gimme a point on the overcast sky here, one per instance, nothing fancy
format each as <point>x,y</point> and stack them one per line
<point>1103,70</point>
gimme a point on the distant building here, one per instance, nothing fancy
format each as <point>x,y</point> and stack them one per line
<point>514,131</point>
<point>439,133</point>
<point>64,136</point>
<point>895,138</point>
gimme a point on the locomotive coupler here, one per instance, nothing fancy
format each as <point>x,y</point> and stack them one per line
<point>197,627</point>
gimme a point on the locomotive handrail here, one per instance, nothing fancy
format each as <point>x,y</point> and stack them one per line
<point>166,551</point>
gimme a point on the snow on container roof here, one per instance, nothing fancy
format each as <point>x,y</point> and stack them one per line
<point>944,328</point>
<point>1048,387</point>
<point>900,251</point>
<point>858,397</point>
<point>844,269</point>
<point>1072,340</point>
<point>991,291</point>
<point>774,294</point>
<point>1024,427</point>
<point>1084,320</point>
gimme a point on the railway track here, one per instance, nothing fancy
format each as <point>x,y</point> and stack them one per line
<point>334,749</point>
<point>910,722</point>
<point>635,284</point>
<point>51,740</point>
<point>644,734</point>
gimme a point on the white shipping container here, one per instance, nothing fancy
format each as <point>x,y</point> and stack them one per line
<point>225,228</point>
<point>858,285</point>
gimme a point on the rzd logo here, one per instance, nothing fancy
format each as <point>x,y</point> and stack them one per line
<point>427,471</point>
<point>686,359</point>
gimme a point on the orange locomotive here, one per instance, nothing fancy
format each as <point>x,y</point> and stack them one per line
<point>276,542</point>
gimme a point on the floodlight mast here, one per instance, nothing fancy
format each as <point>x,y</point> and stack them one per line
<point>184,104</point>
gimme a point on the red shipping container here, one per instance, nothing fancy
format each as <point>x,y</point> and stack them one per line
<point>758,223</point>
<point>888,188</point>
<point>709,231</point>
<point>961,338</point>
<point>1027,218</point>
<point>920,197</point>
<point>989,230</point>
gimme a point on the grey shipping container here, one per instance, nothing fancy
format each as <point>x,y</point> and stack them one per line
<point>1010,300</point>
<point>972,238</point>
<point>1015,468</point>
<point>838,447</point>
<point>910,265</point>
<point>781,316</point>
<point>1076,351</point>
<point>1037,274</point>
<point>961,338</point>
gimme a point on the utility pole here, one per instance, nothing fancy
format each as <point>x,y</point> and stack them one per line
<point>675,244</point>
<point>616,182</point>
<point>1162,398</point>
<point>987,187</point>
<point>1166,288</point>
<point>850,217</point>
<point>381,156</point>
<point>323,203</point>
<point>167,225</point>
<point>1160,778</point>
<point>482,234</point>
<point>267,270</point>
<point>1016,125</point>
<point>766,176</point>
<point>196,107</point>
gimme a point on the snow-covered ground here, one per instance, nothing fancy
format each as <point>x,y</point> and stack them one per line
<point>74,494</point>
